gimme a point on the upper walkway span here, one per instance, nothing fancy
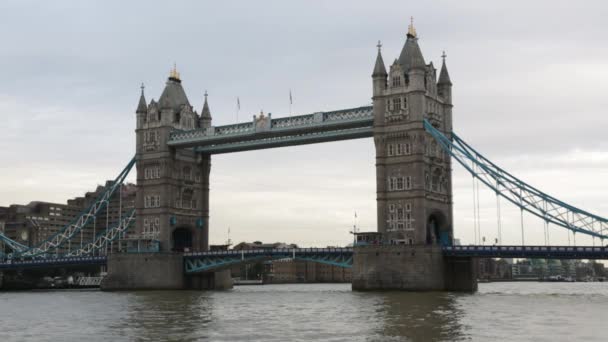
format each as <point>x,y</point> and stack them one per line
<point>265,132</point>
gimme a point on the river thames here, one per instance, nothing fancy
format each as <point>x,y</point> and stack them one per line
<point>311,312</point>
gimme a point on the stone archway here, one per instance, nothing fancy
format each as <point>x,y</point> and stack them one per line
<point>437,229</point>
<point>181,239</point>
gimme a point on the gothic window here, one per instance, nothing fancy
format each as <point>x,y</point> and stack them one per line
<point>400,214</point>
<point>391,150</point>
<point>404,103</point>
<point>435,180</point>
<point>146,225</point>
<point>399,149</point>
<point>391,207</point>
<point>408,220</point>
<point>187,173</point>
<point>187,198</point>
<point>400,183</point>
<point>408,148</point>
<point>397,103</point>
<point>400,226</point>
<point>396,81</point>
<point>408,182</point>
<point>408,207</point>
<point>392,184</point>
<point>156,227</point>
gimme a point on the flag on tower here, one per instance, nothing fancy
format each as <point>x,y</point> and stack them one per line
<point>290,98</point>
<point>238,103</point>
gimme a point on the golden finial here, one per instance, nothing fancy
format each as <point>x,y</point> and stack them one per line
<point>174,73</point>
<point>411,30</point>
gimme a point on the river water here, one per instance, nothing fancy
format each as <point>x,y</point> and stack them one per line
<point>311,312</point>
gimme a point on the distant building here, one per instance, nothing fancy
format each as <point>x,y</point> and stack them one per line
<point>36,222</point>
<point>288,270</point>
<point>260,245</point>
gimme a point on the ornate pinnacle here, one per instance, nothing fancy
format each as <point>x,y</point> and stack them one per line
<point>411,30</point>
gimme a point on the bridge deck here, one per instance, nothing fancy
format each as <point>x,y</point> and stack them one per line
<point>543,252</point>
<point>342,257</point>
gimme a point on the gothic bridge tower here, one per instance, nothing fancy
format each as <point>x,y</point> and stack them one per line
<point>413,181</point>
<point>172,202</point>
<point>413,174</point>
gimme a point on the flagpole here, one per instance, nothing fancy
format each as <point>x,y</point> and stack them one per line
<point>238,108</point>
<point>290,102</point>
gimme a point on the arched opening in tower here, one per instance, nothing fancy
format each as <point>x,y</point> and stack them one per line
<point>437,230</point>
<point>182,239</point>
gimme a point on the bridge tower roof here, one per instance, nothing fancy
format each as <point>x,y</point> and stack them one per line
<point>205,112</point>
<point>141,107</point>
<point>173,96</point>
<point>411,56</point>
<point>444,76</point>
<point>379,69</point>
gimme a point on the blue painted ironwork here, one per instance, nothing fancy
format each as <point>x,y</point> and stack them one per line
<point>342,257</point>
<point>265,132</point>
<point>67,232</point>
<point>53,262</point>
<point>103,239</point>
<point>544,252</point>
<point>209,261</point>
<point>518,192</point>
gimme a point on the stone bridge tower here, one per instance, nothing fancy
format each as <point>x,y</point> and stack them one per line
<point>413,174</point>
<point>413,181</point>
<point>172,202</point>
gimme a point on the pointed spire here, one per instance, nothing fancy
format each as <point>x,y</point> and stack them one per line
<point>411,30</point>
<point>206,113</point>
<point>174,74</point>
<point>379,69</point>
<point>444,76</point>
<point>141,107</point>
<point>411,56</point>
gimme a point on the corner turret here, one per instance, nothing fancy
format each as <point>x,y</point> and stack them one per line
<point>205,119</point>
<point>444,84</point>
<point>142,109</point>
<point>379,75</point>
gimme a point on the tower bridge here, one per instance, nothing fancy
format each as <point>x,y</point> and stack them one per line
<point>410,121</point>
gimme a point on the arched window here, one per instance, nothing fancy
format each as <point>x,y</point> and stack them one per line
<point>187,173</point>
<point>435,180</point>
<point>187,195</point>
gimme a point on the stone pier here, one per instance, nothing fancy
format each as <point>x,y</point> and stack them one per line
<point>411,268</point>
<point>158,271</point>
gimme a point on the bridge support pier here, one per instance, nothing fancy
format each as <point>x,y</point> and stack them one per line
<point>158,271</point>
<point>218,280</point>
<point>410,268</point>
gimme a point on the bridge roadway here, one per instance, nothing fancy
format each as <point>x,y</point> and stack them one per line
<point>196,262</point>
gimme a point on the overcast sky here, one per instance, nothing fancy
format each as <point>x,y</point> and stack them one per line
<point>530,83</point>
